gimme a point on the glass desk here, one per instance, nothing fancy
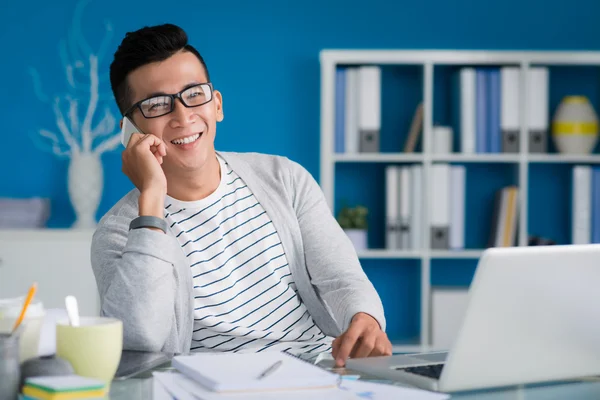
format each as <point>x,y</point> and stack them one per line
<point>140,388</point>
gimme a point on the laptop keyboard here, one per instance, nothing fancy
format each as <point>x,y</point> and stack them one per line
<point>431,371</point>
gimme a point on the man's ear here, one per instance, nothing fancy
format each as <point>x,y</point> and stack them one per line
<point>219,105</point>
<point>121,124</point>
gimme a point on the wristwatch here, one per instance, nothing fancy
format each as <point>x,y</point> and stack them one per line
<point>148,221</point>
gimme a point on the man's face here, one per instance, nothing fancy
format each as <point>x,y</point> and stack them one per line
<point>171,76</point>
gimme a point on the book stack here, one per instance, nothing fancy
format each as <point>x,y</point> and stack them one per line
<point>505,217</point>
<point>357,109</point>
<point>404,200</point>
<point>585,198</point>
<point>488,107</point>
<point>63,388</point>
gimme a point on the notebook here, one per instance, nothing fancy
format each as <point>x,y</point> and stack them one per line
<point>176,386</point>
<point>233,372</point>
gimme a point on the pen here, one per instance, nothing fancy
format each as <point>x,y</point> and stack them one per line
<point>270,370</point>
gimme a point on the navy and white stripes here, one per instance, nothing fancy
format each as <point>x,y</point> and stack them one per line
<point>245,297</point>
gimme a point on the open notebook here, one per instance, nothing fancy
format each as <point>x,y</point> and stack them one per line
<point>229,372</point>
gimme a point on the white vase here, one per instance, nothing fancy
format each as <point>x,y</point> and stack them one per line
<point>358,237</point>
<point>85,183</point>
<point>575,126</point>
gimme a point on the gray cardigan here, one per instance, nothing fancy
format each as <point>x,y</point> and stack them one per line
<point>145,280</point>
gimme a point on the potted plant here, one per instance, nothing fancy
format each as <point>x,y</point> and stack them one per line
<point>353,221</point>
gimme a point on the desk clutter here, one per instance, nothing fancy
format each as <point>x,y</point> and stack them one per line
<point>56,354</point>
<point>264,376</point>
<point>76,357</point>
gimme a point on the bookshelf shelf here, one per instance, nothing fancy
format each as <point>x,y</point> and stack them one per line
<point>562,158</point>
<point>533,173</point>
<point>466,158</point>
<point>477,158</point>
<point>389,254</point>
<point>452,57</point>
<point>415,254</point>
<point>379,157</point>
<point>461,254</point>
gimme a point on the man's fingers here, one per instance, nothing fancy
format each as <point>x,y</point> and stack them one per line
<point>349,340</point>
<point>382,348</point>
<point>155,144</point>
<point>335,346</point>
<point>156,150</point>
<point>162,149</point>
<point>364,346</point>
<point>151,140</point>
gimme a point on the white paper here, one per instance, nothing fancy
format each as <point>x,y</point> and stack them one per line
<point>159,391</point>
<point>180,389</point>
<point>183,388</point>
<point>378,391</point>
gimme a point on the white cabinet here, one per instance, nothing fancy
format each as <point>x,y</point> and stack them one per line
<point>57,259</point>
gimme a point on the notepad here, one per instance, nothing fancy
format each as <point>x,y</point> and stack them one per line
<point>64,387</point>
<point>232,372</point>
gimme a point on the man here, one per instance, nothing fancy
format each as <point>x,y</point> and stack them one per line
<point>220,251</point>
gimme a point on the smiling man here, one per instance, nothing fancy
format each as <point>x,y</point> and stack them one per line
<point>220,251</point>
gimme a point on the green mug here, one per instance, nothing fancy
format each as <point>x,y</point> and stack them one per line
<point>93,348</point>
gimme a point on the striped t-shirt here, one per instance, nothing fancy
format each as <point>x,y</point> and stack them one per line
<point>245,296</point>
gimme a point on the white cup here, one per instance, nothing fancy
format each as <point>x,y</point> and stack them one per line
<point>32,324</point>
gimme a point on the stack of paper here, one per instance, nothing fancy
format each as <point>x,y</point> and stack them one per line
<point>219,376</point>
<point>63,388</point>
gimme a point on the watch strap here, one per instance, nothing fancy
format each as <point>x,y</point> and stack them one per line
<point>148,221</point>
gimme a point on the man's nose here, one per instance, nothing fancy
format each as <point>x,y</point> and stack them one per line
<point>181,113</point>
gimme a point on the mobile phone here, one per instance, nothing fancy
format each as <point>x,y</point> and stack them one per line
<point>127,130</point>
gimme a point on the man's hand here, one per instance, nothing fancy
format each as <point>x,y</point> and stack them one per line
<point>364,338</point>
<point>142,161</point>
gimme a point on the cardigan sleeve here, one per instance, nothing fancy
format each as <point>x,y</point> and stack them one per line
<point>330,256</point>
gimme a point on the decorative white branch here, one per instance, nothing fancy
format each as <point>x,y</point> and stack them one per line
<point>73,117</point>
<point>106,40</point>
<point>62,126</point>
<point>108,144</point>
<point>37,85</point>
<point>62,52</point>
<point>55,143</point>
<point>86,128</point>
<point>76,28</point>
<point>105,126</point>
<point>72,45</point>
<point>80,65</point>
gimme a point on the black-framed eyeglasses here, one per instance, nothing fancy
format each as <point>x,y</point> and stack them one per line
<point>163,104</point>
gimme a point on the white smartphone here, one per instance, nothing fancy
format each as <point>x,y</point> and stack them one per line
<point>127,130</point>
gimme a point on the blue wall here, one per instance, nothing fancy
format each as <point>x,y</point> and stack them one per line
<point>265,47</point>
<point>263,56</point>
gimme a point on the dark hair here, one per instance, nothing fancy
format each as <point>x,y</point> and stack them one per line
<point>146,45</point>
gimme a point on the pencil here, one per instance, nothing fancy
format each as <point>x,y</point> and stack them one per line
<point>28,299</point>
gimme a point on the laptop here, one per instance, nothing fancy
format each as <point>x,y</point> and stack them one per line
<point>533,316</point>
<point>134,362</point>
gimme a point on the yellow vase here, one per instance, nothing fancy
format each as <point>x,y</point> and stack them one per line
<point>575,126</point>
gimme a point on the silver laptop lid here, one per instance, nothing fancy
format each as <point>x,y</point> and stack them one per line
<point>532,316</point>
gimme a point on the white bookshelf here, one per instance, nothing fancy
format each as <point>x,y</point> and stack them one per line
<point>428,60</point>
